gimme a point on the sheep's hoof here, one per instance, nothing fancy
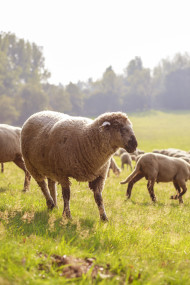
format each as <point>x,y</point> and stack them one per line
<point>174,197</point>
<point>67,215</point>
<point>25,190</point>
<point>50,204</point>
<point>104,218</point>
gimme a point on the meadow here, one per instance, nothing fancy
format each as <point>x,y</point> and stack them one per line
<point>143,243</point>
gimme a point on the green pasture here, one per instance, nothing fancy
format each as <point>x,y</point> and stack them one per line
<point>143,243</point>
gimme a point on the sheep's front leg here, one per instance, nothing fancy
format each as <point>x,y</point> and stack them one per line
<point>150,187</point>
<point>45,191</point>
<point>97,187</point>
<point>131,183</point>
<point>53,190</point>
<point>66,199</point>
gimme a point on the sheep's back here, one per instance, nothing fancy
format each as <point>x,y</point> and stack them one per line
<point>53,143</point>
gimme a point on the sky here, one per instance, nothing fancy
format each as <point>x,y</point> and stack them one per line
<point>81,38</point>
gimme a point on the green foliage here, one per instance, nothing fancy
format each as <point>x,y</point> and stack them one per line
<point>59,99</point>
<point>34,99</point>
<point>22,73</point>
<point>75,96</point>
<point>142,243</point>
<point>8,112</point>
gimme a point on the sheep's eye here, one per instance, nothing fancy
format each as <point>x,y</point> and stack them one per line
<point>123,130</point>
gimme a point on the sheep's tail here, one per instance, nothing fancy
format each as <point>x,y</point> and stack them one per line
<point>131,176</point>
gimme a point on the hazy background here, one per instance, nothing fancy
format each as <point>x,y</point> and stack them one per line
<point>128,55</point>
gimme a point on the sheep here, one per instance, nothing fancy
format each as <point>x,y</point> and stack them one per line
<point>171,152</point>
<point>133,157</point>
<point>10,150</point>
<point>160,168</point>
<point>57,146</point>
<point>113,165</point>
<point>186,158</point>
<point>126,159</point>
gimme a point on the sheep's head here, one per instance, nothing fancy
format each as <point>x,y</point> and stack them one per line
<point>118,127</point>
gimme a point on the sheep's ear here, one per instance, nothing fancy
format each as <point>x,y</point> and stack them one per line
<point>104,125</point>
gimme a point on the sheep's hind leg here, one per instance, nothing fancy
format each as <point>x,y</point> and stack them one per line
<point>183,186</point>
<point>97,186</point>
<point>66,199</point>
<point>2,167</point>
<point>20,163</point>
<point>176,197</point>
<point>150,186</point>
<point>45,191</point>
<point>131,183</point>
<point>53,191</point>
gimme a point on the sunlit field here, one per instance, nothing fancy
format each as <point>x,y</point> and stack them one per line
<point>143,243</point>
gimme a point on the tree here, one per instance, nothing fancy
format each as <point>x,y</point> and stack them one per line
<point>22,72</point>
<point>171,79</point>
<point>133,66</point>
<point>76,98</point>
<point>25,60</point>
<point>137,94</point>
<point>59,99</point>
<point>8,112</point>
<point>34,99</point>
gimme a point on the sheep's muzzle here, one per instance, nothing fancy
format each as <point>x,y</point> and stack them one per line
<point>131,145</point>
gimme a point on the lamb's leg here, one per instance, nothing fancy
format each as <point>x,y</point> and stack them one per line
<point>131,183</point>
<point>176,197</point>
<point>20,163</point>
<point>66,199</point>
<point>53,191</point>
<point>97,187</point>
<point>183,186</point>
<point>2,167</point>
<point>150,186</point>
<point>45,191</point>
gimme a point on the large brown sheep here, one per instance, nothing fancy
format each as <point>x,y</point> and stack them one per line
<point>58,146</point>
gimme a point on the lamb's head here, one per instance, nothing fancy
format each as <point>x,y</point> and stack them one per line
<point>118,128</point>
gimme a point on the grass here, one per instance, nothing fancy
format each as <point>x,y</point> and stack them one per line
<point>143,243</point>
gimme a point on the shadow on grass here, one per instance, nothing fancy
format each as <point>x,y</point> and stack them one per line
<point>3,189</point>
<point>43,224</point>
<point>157,204</point>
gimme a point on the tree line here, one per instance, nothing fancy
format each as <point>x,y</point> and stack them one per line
<point>24,86</point>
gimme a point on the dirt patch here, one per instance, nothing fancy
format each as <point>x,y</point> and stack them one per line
<point>72,267</point>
